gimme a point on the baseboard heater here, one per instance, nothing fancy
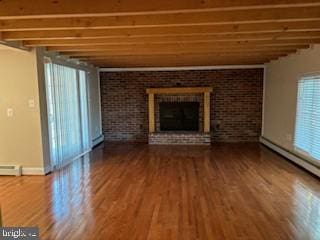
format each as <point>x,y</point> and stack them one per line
<point>97,141</point>
<point>13,170</point>
<point>291,156</point>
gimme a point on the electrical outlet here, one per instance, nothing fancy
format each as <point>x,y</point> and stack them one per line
<point>10,112</point>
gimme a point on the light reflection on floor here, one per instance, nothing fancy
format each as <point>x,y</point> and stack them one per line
<point>307,204</point>
<point>71,194</point>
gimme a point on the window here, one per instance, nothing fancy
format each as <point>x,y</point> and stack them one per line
<point>307,134</point>
<point>68,117</point>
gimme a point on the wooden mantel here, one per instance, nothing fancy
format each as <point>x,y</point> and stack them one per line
<point>180,90</point>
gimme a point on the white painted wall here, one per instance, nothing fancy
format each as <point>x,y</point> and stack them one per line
<point>280,99</point>
<point>24,136</point>
<point>20,135</point>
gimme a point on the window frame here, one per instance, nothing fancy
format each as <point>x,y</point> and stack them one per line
<point>296,150</point>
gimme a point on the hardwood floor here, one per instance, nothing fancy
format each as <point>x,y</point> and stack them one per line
<point>136,191</point>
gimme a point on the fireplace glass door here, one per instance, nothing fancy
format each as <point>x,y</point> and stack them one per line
<point>179,116</point>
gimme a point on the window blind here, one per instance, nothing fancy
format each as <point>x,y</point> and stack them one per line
<point>307,134</point>
<point>68,118</point>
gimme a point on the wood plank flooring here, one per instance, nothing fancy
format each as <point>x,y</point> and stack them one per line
<point>136,191</point>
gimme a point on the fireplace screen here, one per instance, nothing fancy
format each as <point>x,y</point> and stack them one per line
<point>179,116</point>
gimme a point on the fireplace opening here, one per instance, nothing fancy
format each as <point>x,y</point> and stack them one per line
<point>179,116</point>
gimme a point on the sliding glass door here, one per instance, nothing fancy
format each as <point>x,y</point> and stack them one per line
<point>68,114</point>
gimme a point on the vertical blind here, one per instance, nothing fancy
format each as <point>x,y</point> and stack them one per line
<point>307,134</point>
<point>67,103</point>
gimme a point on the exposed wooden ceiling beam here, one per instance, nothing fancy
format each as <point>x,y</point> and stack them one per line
<point>176,61</point>
<point>164,31</point>
<point>210,54</point>
<point>52,9</point>
<point>116,63</point>
<point>200,64</point>
<point>198,50</point>
<point>178,38</point>
<point>179,51</point>
<point>189,45</point>
<point>173,19</point>
<point>172,61</point>
<point>188,51</point>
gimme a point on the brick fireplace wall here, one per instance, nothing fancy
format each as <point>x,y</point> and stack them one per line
<point>236,102</point>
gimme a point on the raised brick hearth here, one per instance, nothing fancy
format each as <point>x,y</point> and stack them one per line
<point>180,138</point>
